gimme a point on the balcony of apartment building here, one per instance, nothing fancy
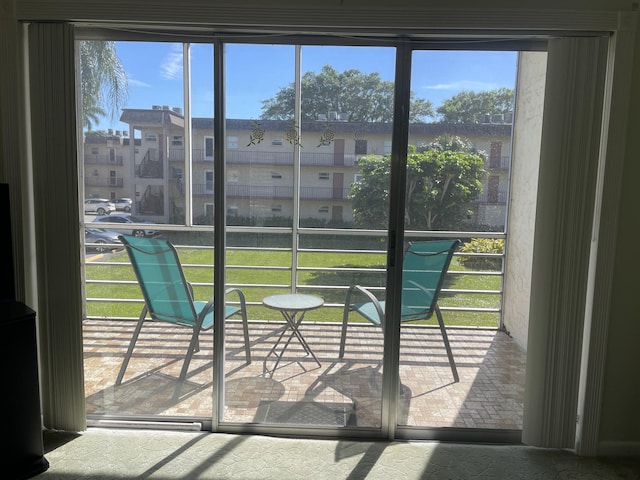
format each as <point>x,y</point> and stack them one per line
<point>323,389</point>
<point>103,159</point>
<point>493,198</point>
<point>103,180</point>
<point>151,165</point>
<point>499,162</point>
<point>236,190</point>
<point>264,157</point>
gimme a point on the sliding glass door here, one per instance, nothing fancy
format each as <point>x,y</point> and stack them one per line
<point>458,367</point>
<point>277,175</point>
<point>300,120</point>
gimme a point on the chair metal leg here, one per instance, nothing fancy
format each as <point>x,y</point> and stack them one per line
<point>132,344</point>
<point>193,347</point>
<point>452,362</point>
<point>245,322</point>
<point>245,328</point>
<point>345,321</point>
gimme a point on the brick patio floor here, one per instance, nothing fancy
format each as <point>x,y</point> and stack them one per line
<point>340,391</point>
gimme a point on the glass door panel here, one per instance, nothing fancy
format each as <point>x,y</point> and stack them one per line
<point>295,240</point>
<point>144,153</point>
<point>307,180</point>
<point>457,369</point>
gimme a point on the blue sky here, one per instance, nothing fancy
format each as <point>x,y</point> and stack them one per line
<point>256,73</point>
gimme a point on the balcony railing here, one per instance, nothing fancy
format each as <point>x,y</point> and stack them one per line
<point>93,181</point>
<point>91,159</point>
<point>257,157</point>
<point>499,198</point>
<point>502,163</point>
<point>322,266</point>
<point>235,190</point>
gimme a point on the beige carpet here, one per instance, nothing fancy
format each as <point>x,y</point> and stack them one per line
<point>119,454</point>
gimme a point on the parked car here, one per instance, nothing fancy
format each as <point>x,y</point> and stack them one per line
<point>123,204</point>
<point>101,206</point>
<point>100,240</point>
<point>124,218</point>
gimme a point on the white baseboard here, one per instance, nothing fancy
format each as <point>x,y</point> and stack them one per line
<point>619,449</point>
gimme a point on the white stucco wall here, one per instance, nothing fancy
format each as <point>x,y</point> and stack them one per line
<point>524,189</point>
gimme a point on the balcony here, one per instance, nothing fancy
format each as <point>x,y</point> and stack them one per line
<point>491,366</point>
<point>500,163</point>
<point>489,395</point>
<point>256,157</point>
<point>498,198</point>
<point>97,181</point>
<point>94,159</point>
<point>235,190</point>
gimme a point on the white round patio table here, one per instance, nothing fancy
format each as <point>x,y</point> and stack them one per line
<point>293,306</point>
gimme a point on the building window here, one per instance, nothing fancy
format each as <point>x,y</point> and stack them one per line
<point>324,209</point>
<point>95,151</point>
<point>208,210</point>
<point>323,176</point>
<point>208,148</point>
<point>151,137</point>
<point>361,147</point>
<point>276,208</point>
<point>495,154</point>
<point>357,177</point>
<point>176,141</point>
<point>232,211</point>
<point>276,175</point>
<point>232,142</point>
<point>276,141</point>
<point>208,181</point>
<point>493,195</point>
<point>386,147</point>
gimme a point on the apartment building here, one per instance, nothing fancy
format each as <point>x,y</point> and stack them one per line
<point>148,163</point>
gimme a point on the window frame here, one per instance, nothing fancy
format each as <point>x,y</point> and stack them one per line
<point>616,123</point>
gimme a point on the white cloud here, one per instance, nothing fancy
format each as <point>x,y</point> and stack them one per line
<point>137,83</point>
<point>171,67</point>
<point>464,85</point>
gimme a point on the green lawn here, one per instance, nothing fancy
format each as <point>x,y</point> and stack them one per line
<point>267,270</point>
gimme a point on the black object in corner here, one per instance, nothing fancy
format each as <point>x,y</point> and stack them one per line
<point>23,454</point>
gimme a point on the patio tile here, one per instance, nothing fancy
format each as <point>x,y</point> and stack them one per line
<point>489,394</point>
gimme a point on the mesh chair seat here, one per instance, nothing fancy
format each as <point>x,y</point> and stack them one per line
<point>169,298</point>
<point>423,270</point>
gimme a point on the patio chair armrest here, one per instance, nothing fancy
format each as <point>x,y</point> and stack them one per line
<point>240,295</point>
<point>370,296</point>
<point>209,304</point>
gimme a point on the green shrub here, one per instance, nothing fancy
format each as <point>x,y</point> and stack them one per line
<point>482,245</point>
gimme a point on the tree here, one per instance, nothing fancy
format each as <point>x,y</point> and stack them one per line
<point>103,81</point>
<point>441,184</point>
<point>364,97</point>
<point>471,107</point>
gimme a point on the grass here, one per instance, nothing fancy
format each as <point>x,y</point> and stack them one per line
<point>261,272</point>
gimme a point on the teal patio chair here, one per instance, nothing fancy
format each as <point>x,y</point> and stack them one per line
<point>424,268</point>
<point>168,297</point>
